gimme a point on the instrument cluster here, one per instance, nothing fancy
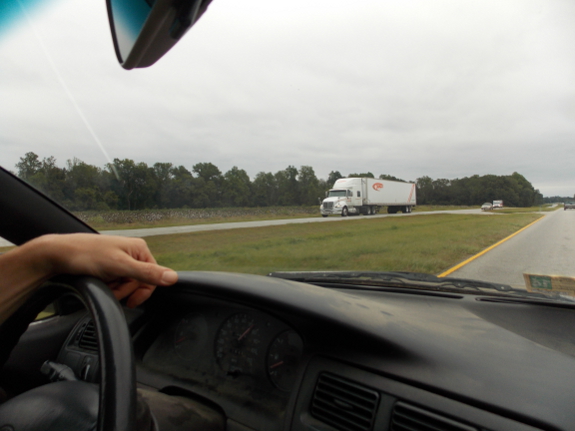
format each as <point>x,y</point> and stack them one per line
<point>214,345</point>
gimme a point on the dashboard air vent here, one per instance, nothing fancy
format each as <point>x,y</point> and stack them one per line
<point>409,418</point>
<point>343,404</point>
<point>88,339</point>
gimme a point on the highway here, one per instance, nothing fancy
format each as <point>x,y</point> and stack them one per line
<point>547,247</point>
<point>263,223</point>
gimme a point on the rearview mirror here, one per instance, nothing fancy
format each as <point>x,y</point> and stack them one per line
<point>144,30</point>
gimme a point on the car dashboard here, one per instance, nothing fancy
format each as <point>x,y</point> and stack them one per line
<point>272,354</point>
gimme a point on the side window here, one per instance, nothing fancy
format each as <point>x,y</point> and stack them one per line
<point>349,194</point>
<point>49,311</point>
<point>358,194</point>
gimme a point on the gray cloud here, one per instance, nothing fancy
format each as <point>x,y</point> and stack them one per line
<point>377,86</point>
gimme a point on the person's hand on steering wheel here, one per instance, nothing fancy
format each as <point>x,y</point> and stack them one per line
<point>125,264</point>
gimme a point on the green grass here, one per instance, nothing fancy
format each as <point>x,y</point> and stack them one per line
<point>141,219</point>
<point>430,244</point>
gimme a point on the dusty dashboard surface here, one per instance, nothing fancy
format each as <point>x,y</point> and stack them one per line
<point>260,350</point>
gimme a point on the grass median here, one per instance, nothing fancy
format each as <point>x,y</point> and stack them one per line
<point>427,243</point>
<point>141,219</point>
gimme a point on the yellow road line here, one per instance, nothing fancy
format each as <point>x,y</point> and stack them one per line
<point>472,258</point>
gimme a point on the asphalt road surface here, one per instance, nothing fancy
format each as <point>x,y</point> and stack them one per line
<point>547,247</point>
<point>140,233</point>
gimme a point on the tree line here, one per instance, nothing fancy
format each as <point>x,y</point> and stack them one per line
<point>129,185</point>
<point>514,190</point>
<point>558,199</point>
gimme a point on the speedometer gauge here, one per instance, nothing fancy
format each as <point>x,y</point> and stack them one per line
<point>191,336</point>
<point>283,359</point>
<point>238,344</point>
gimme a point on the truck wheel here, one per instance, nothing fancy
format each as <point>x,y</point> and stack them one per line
<point>344,212</point>
<point>324,215</point>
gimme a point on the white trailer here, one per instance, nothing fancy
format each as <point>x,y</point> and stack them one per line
<point>367,196</point>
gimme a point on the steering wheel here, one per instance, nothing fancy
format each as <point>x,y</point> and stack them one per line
<point>74,405</point>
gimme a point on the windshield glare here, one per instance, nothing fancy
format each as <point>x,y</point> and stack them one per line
<point>263,106</point>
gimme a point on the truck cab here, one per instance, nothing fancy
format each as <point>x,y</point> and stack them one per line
<point>338,201</point>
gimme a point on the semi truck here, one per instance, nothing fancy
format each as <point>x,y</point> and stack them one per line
<point>367,196</point>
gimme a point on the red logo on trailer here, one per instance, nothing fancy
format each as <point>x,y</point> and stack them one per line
<point>411,193</point>
<point>377,186</point>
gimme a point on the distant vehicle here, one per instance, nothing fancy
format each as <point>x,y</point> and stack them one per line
<point>569,206</point>
<point>487,206</point>
<point>497,204</point>
<point>367,196</point>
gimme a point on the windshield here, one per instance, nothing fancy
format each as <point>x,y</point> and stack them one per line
<point>336,194</point>
<point>443,106</point>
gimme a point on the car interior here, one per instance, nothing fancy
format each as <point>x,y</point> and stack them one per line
<point>223,351</point>
<point>324,351</point>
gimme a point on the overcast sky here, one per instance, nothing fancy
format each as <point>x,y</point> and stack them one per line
<point>446,89</point>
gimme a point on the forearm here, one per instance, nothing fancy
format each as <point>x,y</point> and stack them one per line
<point>22,271</point>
